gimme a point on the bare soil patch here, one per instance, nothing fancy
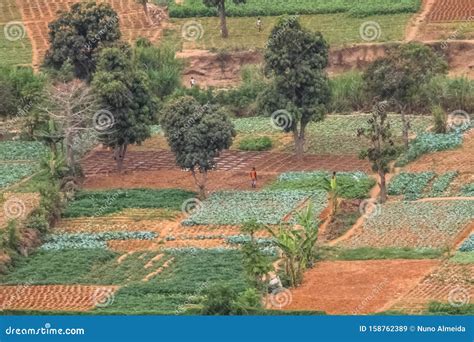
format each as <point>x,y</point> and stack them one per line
<point>53,297</point>
<point>357,287</point>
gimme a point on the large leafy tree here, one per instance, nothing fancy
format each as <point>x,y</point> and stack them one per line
<point>398,76</point>
<point>381,150</point>
<point>296,60</point>
<point>220,5</point>
<point>128,106</point>
<point>77,35</point>
<point>196,134</point>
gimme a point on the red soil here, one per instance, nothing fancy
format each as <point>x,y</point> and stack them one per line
<point>357,287</point>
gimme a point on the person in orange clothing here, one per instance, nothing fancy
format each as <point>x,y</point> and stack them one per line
<point>253,177</point>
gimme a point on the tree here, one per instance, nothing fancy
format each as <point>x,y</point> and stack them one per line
<point>397,76</point>
<point>71,106</point>
<point>296,59</point>
<point>220,5</point>
<point>381,151</point>
<point>77,35</point>
<point>196,134</point>
<point>297,244</point>
<point>128,106</point>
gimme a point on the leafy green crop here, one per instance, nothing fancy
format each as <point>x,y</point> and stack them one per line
<point>11,173</point>
<point>256,144</point>
<point>100,203</point>
<point>410,184</point>
<point>21,150</point>
<point>196,8</point>
<point>266,207</point>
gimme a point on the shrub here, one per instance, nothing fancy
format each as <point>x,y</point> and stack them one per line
<point>348,93</point>
<point>219,300</point>
<point>440,120</point>
<point>256,144</point>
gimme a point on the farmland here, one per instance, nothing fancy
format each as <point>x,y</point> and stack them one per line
<point>196,199</point>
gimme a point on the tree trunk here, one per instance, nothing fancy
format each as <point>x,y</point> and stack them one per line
<point>70,153</point>
<point>405,128</point>
<point>222,16</point>
<point>201,182</point>
<point>383,187</point>
<point>299,138</point>
<point>119,155</point>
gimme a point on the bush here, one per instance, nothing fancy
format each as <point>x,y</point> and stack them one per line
<point>440,120</point>
<point>348,93</point>
<point>256,144</point>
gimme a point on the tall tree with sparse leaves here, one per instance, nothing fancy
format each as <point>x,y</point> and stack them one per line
<point>127,104</point>
<point>295,60</point>
<point>399,75</point>
<point>196,134</point>
<point>220,6</point>
<point>382,150</point>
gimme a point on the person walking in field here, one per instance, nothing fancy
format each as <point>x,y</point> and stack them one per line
<point>253,177</point>
<point>192,82</point>
<point>259,24</point>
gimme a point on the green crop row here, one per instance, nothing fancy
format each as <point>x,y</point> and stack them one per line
<point>196,8</point>
<point>100,203</point>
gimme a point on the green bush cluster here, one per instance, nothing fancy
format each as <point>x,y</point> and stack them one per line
<point>256,144</point>
<point>100,203</point>
<point>196,8</point>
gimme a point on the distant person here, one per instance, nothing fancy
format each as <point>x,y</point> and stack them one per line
<point>253,177</point>
<point>333,181</point>
<point>192,82</point>
<point>259,24</point>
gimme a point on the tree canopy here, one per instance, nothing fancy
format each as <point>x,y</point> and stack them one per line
<point>76,35</point>
<point>196,134</point>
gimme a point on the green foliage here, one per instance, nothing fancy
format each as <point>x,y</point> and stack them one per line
<point>161,66</point>
<point>76,36</point>
<point>468,245</point>
<point>440,120</point>
<point>348,93</point>
<point>219,300</point>
<point>370,253</point>
<point>350,184</point>
<point>296,59</point>
<point>11,173</point>
<point>437,308</point>
<point>126,94</point>
<point>463,257</point>
<point>410,184</point>
<point>195,8</point>
<point>100,203</point>
<point>441,183</point>
<point>21,150</point>
<point>429,142</point>
<point>263,207</point>
<point>297,244</point>
<point>90,240</point>
<point>256,144</point>
<point>56,267</point>
<point>468,190</point>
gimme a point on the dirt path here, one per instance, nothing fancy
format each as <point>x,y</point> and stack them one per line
<point>358,287</point>
<point>416,22</point>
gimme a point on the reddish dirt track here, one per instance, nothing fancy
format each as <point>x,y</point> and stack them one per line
<point>358,287</point>
<point>101,162</point>
<point>451,10</point>
<point>54,297</point>
<point>37,14</point>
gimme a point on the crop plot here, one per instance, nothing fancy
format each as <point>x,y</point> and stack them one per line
<point>434,224</point>
<point>451,10</point>
<point>54,297</point>
<point>448,282</point>
<point>266,207</point>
